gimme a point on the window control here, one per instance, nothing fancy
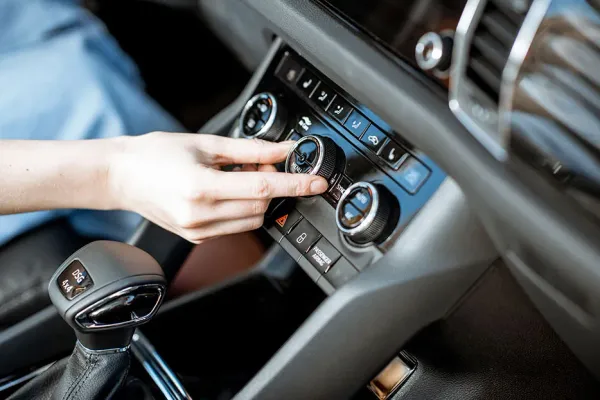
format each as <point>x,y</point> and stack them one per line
<point>303,236</point>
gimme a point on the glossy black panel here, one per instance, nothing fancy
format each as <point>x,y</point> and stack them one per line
<point>398,24</point>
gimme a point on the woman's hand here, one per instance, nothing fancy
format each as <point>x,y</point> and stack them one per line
<point>175,181</point>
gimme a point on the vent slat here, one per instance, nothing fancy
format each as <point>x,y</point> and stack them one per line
<point>484,76</point>
<point>500,28</point>
<point>493,50</point>
<point>492,42</point>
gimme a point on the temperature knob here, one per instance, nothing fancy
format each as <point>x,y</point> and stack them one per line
<point>366,212</point>
<point>315,155</point>
<point>263,117</point>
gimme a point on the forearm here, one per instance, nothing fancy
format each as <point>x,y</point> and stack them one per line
<point>42,175</point>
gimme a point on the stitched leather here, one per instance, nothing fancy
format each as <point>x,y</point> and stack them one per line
<point>26,265</point>
<point>83,376</point>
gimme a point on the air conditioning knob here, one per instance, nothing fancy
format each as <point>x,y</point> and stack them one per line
<point>263,117</point>
<point>315,155</point>
<point>366,213</point>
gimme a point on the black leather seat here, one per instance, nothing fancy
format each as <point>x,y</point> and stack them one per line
<point>26,265</point>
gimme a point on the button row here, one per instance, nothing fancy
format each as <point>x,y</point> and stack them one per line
<point>315,248</point>
<point>328,100</point>
<point>411,173</point>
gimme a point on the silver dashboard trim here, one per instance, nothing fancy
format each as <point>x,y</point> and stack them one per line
<point>523,41</point>
<point>462,40</point>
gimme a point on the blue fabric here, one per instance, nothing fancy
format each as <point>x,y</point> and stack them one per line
<point>63,77</point>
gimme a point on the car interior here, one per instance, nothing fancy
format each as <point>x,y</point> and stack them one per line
<point>455,255</point>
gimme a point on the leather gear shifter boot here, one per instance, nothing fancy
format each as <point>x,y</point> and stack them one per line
<point>85,375</point>
<point>103,291</point>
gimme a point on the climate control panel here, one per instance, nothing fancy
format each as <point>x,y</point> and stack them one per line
<point>377,180</point>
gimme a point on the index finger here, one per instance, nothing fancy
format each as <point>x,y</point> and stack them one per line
<point>225,150</point>
<point>264,185</point>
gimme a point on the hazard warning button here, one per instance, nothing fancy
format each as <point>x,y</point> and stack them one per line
<point>287,221</point>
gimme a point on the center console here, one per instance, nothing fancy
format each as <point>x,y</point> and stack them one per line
<point>377,180</point>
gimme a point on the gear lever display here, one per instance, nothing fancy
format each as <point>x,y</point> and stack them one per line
<point>106,289</point>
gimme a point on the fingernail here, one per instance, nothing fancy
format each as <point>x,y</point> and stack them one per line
<point>318,186</point>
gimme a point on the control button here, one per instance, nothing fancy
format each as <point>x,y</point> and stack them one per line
<point>74,280</point>
<point>357,123</point>
<point>289,71</point>
<point>308,151</point>
<point>362,200</point>
<point>252,123</point>
<point>305,122</point>
<point>263,117</point>
<point>316,155</point>
<point>323,96</point>
<point>373,138</point>
<point>392,153</point>
<point>367,213</point>
<point>303,236</point>
<point>338,190</point>
<point>341,273</point>
<point>264,109</point>
<point>287,221</point>
<point>351,216</point>
<point>298,164</point>
<point>307,83</point>
<point>323,255</point>
<point>340,109</point>
<point>412,175</point>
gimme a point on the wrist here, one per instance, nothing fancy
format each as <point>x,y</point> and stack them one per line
<point>115,173</point>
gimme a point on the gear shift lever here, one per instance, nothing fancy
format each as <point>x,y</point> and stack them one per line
<point>103,291</point>
<point>106,289</point>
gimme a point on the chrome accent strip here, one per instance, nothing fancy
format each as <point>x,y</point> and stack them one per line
<point>24,378</point>
<point>320,157</point>
<point>517,55</point>
<point>134,322</point>
<point>162,375</point>
<point>458,84</point>
<point>103,351</point>
<point>269,124</point>
<point>365,223</point>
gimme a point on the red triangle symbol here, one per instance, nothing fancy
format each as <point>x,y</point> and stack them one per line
<point>281,220</point>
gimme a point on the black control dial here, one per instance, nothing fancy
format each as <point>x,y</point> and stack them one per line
<point>263,117</point>
<point>315,155</point>
<point>366,212</point>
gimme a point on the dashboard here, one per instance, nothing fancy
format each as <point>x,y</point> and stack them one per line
<point>499,97</point>
<point>378,181</point>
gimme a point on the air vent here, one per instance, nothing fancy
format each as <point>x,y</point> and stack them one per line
<point>484,39</point>
<point>492,41</point>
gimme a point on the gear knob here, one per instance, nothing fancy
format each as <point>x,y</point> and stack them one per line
<point>104,290</point>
